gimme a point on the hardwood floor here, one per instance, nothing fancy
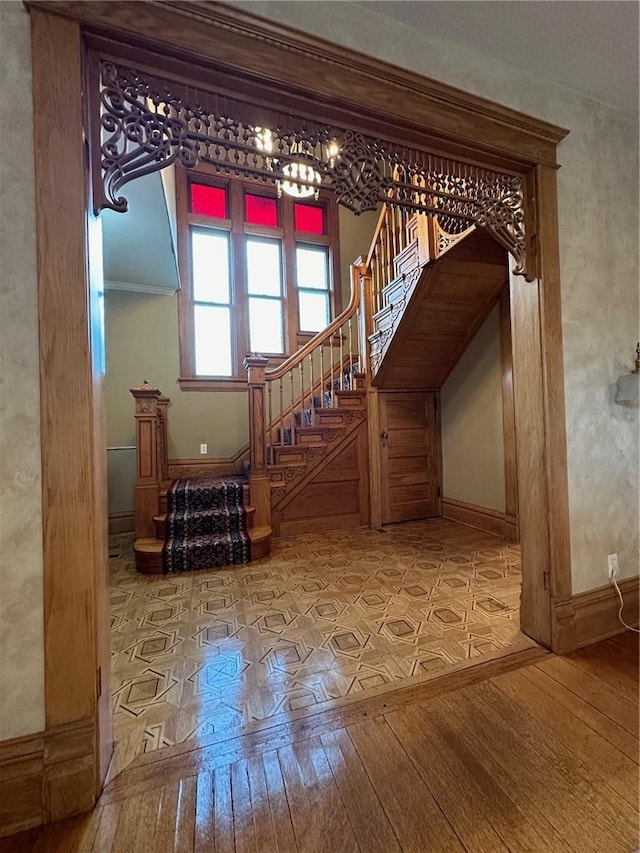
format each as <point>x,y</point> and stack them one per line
<point>538,757</point>
<point>324,620</point>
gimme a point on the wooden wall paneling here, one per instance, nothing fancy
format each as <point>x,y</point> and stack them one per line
<point>553,410</point>
<point>74,506</point>
<point>508,415</point>
<point>534,518</point>
<point>363,469</point>
<point>375,462</point>
<point>332,499</point>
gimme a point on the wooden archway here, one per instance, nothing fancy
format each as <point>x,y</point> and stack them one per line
<point>221,49</point>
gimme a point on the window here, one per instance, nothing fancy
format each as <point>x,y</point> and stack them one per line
<point>258,274</point>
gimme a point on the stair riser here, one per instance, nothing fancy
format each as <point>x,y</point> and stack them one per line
<point>149,563</point>
<point>160,530</point>
<point>291,455</point>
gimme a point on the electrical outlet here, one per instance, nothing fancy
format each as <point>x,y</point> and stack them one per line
<point>203,449</point>
<point>612,561</point>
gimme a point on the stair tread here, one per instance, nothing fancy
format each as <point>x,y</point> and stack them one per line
<point>259,533</point>
<point>149,546</point>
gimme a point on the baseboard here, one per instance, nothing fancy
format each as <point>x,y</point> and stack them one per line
<point>47,776</point>
<point>21,778</point>
<point>589,617</point>
<point>121,522</point>
<point>209,467</point>
<point>481,518</point>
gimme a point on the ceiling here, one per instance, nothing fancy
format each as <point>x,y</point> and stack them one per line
<point>585,45</point>
<point>138,248</point>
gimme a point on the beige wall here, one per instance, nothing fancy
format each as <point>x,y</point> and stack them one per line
<point>598,206</point>
<point>471,413</point>
<point>21,622</point>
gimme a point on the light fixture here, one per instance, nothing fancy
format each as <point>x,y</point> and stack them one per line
<point>629,385</point>
<point>300,178</point>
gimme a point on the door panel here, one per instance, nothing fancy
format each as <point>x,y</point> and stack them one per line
<point>409,456</point>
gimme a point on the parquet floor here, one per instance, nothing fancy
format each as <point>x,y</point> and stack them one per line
<point>533,759</point>
<point>324,619</point>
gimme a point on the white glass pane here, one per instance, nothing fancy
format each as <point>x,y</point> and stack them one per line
<point>311,267</point>
<point>264,268</point>
<point>213,341</point>
<point>265,325</point>
<point>210,264</point>
<point>314,311</point>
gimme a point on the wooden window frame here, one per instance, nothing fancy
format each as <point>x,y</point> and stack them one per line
<point>239,230</point>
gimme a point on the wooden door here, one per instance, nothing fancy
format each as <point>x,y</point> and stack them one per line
<point>409,455</point>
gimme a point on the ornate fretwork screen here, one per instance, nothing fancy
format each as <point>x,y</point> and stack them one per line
<point>146,122</point>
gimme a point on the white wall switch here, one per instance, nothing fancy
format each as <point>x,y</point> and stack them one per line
<point>203,449</point>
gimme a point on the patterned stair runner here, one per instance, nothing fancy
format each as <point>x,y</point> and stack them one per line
<point>205,525</point>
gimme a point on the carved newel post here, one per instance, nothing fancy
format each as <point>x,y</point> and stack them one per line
<point>148,475</point>
<point>258,477</point>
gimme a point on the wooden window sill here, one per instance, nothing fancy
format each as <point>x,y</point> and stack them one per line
<point>196,383</point>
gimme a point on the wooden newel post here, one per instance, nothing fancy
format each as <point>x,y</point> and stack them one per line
<point>148,475</point>
<point>258,477</point>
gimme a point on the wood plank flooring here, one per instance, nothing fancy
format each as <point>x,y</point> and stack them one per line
<point>538,757</point>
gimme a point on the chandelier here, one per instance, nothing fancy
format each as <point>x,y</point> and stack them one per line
<point>299,178</point>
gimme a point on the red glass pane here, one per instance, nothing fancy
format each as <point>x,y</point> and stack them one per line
<point>209,201</point>
<point>260,210</point>
<point>309,218</point>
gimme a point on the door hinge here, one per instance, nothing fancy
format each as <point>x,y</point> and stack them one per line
<point>439,491</point>
<point>99,682</point>
<point>546,581</point>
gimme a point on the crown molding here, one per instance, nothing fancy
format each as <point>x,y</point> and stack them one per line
<point>222,36</point>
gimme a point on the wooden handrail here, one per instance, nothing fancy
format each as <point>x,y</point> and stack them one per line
<point>323,335</point>
<point>376,234</point>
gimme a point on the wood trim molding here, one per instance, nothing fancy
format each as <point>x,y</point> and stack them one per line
<point>47,776</point>
<point>121,522</point>
<point>488,520</point>
<point>242,55</point>
<point>508,408</point>
<point>243,43</point>
<point>209,467</point>
<point>21,776</point>
<point>589,617</point>
<point>78,743</point>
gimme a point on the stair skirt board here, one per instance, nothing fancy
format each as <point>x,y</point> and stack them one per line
<point>205,525</point>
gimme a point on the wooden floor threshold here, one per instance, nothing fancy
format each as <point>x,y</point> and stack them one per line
<point>192,757</point>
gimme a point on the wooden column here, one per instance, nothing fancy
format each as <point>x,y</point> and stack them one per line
<point>258,478</point>
<point>508,419</point>
<point>148,475</point>
<point>78,735</point>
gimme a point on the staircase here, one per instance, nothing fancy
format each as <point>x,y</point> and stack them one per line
<point>416,301</point>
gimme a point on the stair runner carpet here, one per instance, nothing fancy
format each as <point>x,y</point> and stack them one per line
<point>205,525</point>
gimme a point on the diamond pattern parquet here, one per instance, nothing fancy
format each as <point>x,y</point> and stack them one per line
<point>319,620</point>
